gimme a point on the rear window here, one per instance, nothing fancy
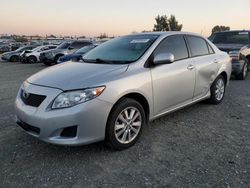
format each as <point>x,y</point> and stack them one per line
<point>198,46</point>
<point>231,38</point>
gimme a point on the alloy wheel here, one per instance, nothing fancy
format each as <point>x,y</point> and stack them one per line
<point>220,89</point>
<point>128,125</point>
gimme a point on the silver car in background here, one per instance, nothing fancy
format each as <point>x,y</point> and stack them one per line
<point>120,86</point>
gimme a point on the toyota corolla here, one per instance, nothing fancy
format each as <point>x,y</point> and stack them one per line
<point>120,86</point>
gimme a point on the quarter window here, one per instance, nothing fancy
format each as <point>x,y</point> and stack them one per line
<point>210,49</point>
<point>175,45</point>
<point>198,46</point>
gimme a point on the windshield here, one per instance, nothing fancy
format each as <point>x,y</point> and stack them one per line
<point>23,48</point>
<point>121,50</point>
<point>230,38</point>
<point>85,49</point>
<point>64,45</point>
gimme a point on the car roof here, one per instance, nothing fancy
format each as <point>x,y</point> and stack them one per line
<point>166,33</point>
<point>231,31</point>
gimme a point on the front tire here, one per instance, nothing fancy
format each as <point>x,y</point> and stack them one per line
<point>244,72</point>
<point>32,59</point>
<point>125,123</point>
<point>217,90</point>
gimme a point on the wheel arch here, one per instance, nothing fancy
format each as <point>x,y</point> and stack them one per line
<point>224,74</point>
<point>139,98</point>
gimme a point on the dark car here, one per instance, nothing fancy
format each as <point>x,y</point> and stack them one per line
<point>14,56</point>
<point>77,55</point>
<point>50,57</point>
<point>237,45</point>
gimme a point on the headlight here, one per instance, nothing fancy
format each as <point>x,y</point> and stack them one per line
<point>72,98</point>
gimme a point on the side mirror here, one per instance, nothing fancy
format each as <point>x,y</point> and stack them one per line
<point>163,58</point>
<point>71,48</point>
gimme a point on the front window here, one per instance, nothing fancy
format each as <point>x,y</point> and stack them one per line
<point>64,45</point>
<point>85,49</point>
<point>231,38</point>
<point>121,50</point>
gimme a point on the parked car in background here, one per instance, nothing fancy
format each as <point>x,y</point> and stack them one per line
<point>14,56</point>
<point>237,45</point>
<point>32,56</point>
<point>4,48</point>
<point>50,57</point>
<point>77,55</point>
<point>120,86</point>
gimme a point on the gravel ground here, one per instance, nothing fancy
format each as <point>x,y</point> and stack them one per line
<point>199,146</point>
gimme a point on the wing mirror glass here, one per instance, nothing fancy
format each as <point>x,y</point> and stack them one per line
<point>163,58</point>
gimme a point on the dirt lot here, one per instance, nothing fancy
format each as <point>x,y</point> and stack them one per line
<point>199,146</point>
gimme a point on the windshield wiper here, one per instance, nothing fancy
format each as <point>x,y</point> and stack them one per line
<point>102,61</point>
<point>98,60</point>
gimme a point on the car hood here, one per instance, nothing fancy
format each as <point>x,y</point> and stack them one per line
<point>229,47</point>
<point>10,53</point>
<point>76,75</point>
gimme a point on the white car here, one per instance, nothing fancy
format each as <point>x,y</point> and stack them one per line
<point>120,86</point>
<point>32,56</point>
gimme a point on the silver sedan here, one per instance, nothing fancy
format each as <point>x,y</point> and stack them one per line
<point>120,86</point>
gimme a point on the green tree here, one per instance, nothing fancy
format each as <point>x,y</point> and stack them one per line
<point>173,24</point>
<point>161,23</point>
<point>220,28</point>
<point>102,36</point>
<point>165,24</point>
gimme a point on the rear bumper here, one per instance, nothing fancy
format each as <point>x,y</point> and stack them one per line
<point>23,59</point>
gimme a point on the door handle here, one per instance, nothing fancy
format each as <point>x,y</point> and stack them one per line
<point>190,67</point>
<point>216,61</point>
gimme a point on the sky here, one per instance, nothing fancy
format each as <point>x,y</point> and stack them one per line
<point>117,17</point>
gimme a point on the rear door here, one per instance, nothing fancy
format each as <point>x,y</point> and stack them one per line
<point>206,64</point>
<point>173,84</point>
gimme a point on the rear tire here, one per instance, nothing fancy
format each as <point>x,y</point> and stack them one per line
<point>217,90</point>
<point>14,58</point>
<point>244,72</point>
<point>125,123</point>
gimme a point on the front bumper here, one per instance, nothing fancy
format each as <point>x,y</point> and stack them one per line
<point>23,59</point>
<point>45,59</point>
<point>4,58</point>
<point>237,66</point>
<point>48,125</point>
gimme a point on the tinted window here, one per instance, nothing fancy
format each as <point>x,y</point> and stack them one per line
<point>198,46</point>
<point>64,45</point>
<point>175,45</point>
<point>122,49</point>
<point>78,45</point>
<point>52,47</point>
<point>231,38</point>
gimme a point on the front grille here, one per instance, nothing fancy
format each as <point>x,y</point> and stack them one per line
<point>32,99</point>
<point>225,50</point>
<point>29,128</point>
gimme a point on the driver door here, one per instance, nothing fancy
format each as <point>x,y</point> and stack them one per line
<point>173,84</point>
